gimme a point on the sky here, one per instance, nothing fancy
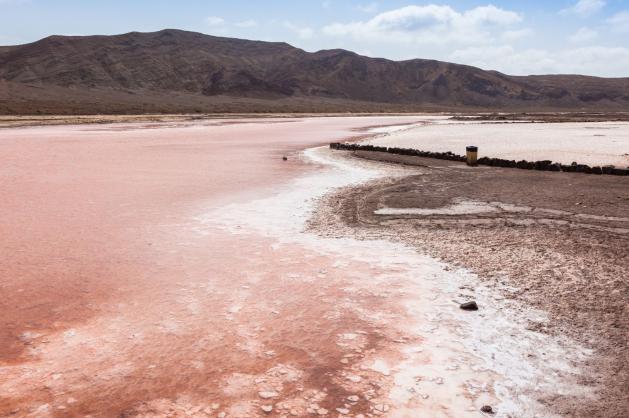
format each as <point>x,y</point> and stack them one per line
<point>515,37</point>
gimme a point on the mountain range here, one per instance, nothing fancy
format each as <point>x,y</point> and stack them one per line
<point>173,71</point>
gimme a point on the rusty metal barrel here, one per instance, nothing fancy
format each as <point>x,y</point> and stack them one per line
<point>472,155</point>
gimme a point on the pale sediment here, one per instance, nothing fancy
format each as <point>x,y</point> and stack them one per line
<point>594,144</point>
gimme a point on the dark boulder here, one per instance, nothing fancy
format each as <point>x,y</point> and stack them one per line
<point>469,306</point>
<point>487,409</point>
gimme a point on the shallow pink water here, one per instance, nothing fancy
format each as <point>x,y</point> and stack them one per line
<point>111,302</point>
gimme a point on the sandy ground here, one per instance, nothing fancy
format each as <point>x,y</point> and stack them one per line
<point>592,143</point>
<point>167,269</point>
<point>558,242</point>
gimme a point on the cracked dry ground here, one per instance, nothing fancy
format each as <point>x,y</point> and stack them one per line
<point>555,241</point>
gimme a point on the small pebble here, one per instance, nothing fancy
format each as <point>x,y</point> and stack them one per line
<point>381,407</point>
<point>487,409</point>
<point>469,306</point>
<point>267,395</point>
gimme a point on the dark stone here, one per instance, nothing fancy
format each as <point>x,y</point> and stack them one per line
<point>597,170</point>
<point>285,158</point>
<point>487,409</point>
<point>469,306</point>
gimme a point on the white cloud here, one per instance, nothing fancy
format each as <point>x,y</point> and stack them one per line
<point>247,24</point>
<point>303,32</point>
<point>492,15</point>
<point>516,35</point>
<point>428,24</point>
<point>583,35</point>
<point>214,21</point>
<point>496,57</point>
<point>620,21</point>
<point>585,7</point>
<point>603,61</point>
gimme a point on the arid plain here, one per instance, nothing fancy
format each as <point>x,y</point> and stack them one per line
<point>186,268</point>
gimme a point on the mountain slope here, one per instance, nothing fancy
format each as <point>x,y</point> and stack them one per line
<point>174,70</point>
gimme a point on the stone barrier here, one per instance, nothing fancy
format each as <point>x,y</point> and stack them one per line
<point>543,165</point>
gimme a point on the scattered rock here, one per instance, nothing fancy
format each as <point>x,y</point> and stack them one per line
<point>267,409</point>
<point>469,306</point>
<point>438,380</point>
<point>268,394</point>
<point>194,410</point>
<point>381,407</point>
<point>342,411</point>
<point>487,409</point>
<point>353,398</point>
<point>322,411</point>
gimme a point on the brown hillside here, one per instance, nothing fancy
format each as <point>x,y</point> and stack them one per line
<point>178,71</point>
